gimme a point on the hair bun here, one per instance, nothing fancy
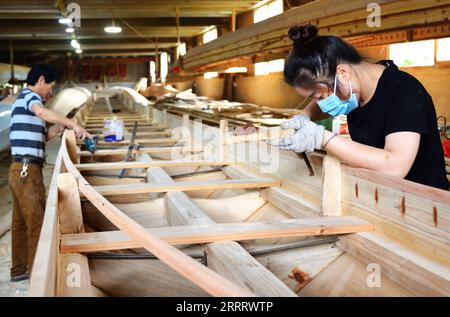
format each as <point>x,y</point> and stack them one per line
<point>302,34</point>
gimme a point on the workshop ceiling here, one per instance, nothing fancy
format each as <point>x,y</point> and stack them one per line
<point>32,26</point>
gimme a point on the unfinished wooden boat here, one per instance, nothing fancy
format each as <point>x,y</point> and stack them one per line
<point>182,224</point>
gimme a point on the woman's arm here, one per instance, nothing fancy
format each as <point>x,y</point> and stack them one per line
<point>395,159</point>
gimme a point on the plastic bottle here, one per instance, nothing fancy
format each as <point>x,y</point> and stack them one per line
<point>119,130</point>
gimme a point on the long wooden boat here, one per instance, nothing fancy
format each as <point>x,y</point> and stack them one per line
<point>185,223</point>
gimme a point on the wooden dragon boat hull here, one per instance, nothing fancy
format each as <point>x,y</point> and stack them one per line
<point>195,226</point>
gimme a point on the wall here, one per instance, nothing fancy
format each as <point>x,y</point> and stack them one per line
<point>211,88</point>
<point>435,78</point>
<point>271,91</point>
<point>268,90</point>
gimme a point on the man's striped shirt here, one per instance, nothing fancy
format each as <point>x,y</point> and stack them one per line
<point>27,131</point>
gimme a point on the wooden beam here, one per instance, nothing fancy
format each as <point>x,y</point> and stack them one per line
<point>251,274</point>
<point>127,165</point>
<point>208,280</point>
<point>271,35</point>
<point>69,205</point>
<point>151,150</point>
<point>143,141</point>
<point>116,240</point>
<point>233,20</point>
<point>404,211</point>
<point>45,266</point>
<point>332,186</point>
<point>72,147</point>
<point>290,203</point>
<point>74,277</point>
<point>185,186</point>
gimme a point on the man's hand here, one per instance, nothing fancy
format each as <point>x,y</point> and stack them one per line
<point>80,132</point>
<point>307,138</point>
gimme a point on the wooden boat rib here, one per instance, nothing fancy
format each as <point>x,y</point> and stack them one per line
<point>283,233</point>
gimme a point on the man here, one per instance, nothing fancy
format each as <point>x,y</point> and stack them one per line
<point>28,135</point>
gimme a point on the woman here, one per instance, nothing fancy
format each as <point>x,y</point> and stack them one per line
<point>391,117</point>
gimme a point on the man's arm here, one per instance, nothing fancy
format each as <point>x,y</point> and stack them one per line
<point>53,131</point>
<point>53,117</point>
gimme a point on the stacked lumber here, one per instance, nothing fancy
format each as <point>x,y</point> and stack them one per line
<point>345,18</point>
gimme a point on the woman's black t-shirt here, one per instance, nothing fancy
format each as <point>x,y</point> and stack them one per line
<point>401,104</point>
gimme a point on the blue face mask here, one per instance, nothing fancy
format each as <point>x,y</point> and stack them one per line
<point>335,106</point>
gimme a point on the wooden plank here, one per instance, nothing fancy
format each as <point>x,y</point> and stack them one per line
<point>422,191</point>
<point>271,35</point>
<point>69,205</point>
<point>417,274</point>
<point>208,280</point>
<point>154,279</point>
<point>74,276</point>
<point>347,277</point>
<point>151,150</point>
<point>143,141</point>
<point>185,186</point>
<point>141,129</point>
<point>72,147</point>
<point>44,273</point>
<point>418,216</point>
<point>126,124</point>
<point>162,163</point>
<point>115,240</point>
<point>182,211</point>
<point>160,134</point>
<point>75,279</point>
<point>290,203</point>
<point>332,184</point>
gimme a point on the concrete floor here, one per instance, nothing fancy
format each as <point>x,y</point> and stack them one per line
<point>7,288</point>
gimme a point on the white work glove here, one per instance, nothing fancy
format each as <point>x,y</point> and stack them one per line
<point>307,137</point>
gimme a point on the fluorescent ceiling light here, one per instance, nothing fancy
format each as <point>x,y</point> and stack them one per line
<point>75,44</point>
<point>113,28</point>
<point>70,30</point>
<point>65,21</point>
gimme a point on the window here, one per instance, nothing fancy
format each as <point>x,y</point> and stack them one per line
<point>164,66</point>
<point>261,69</point>
<point>419,53</point>
<point>443,50</point>
<point>236,70</point>
<point>276,65</point>
<point>267,11</point>
<point>266,68</point>
<point>182,49</point>
<point>210,75</point>
<point>209,36</point>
